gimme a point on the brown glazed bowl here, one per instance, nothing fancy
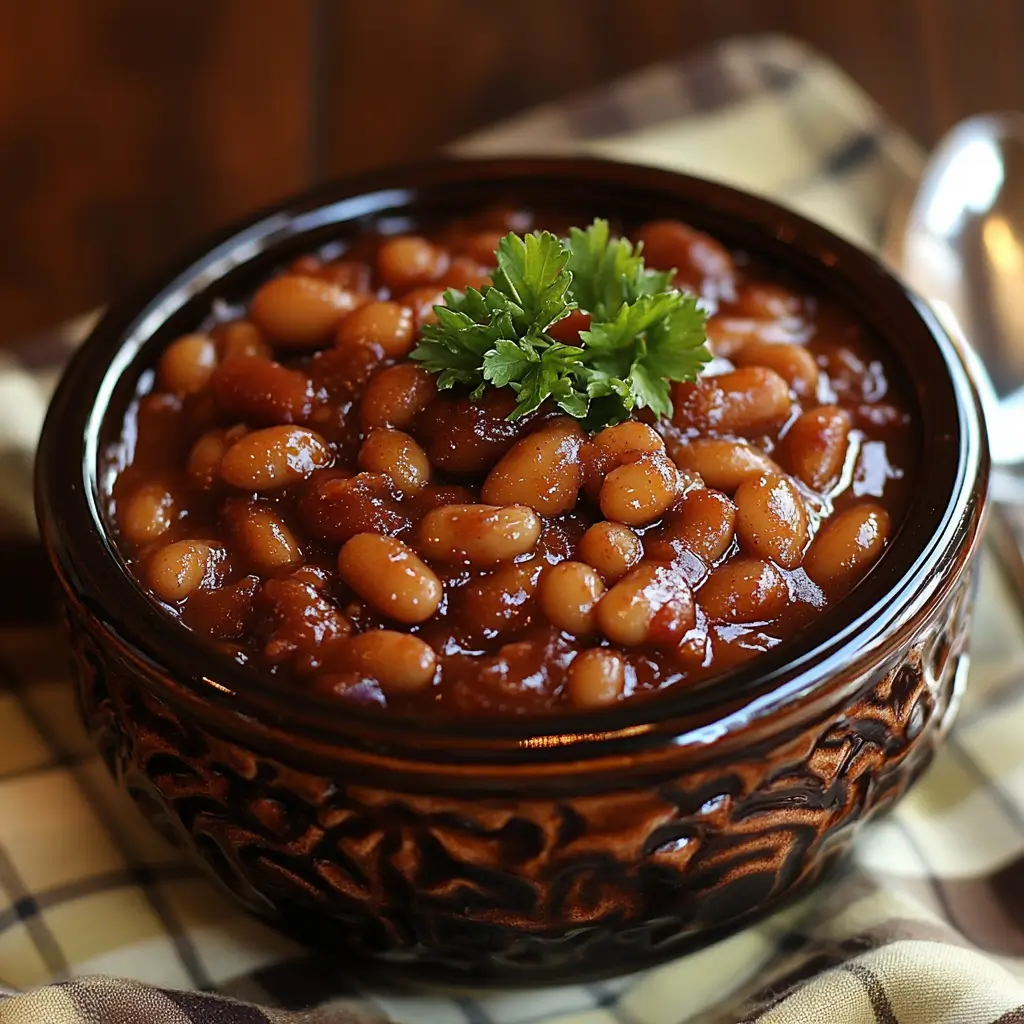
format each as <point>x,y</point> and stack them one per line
<point>514,848</point>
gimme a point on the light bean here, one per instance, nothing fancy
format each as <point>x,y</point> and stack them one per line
<point>846,547</point>
<point>628,613</point>
<point>771,521</point>
<point>401,663</point>
<point>744,589</point>
<point>569,593</point>
<point>478,534</point>
<point>611,548</point>
<point>640,492</point>
<point>390,576</point>
<point>398,456</point>
<point>597,678</point>
<point>542,470</point>
<point>723,465</point>
<point>274,457</point>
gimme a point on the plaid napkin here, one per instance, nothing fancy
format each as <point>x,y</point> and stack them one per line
<point>925,925</point>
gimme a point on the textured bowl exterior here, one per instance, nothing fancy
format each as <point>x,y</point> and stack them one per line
<point>545,849</point>
<point>486,889</point>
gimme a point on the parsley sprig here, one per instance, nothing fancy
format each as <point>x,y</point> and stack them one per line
<point>643,333</point>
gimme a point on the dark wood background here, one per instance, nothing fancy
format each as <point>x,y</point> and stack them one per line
<point>129,129</point>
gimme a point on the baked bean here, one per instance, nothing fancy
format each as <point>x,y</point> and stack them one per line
<point>567,330</point>
<point>569,593</point>
<point>627,613</point>
<point>479,534</point>
<point>814,447</point>
<point>597,678</point>
<point>409,260</point>
<point>728,335</point>
<point>422,302</point>
<point>612,549</point>
<point>186,364</point>
<point>147,514</point>
<point>177,571</point>
<point>224,613</point>
<point>722,465</point>
<point>274,457</point>
<point>298,311</point>
<point>628,440</point>
<point>385,324</point>
<point>304,628</point>
<point>390,576</point>
<point>793,363</point>
<point>260,538</point>
<point>203,465</point>
<point>399,662</point>
<point>483,247</point>
<point>503,600</point>
<point>743,589</point>
<point>771,521</point>
<point>468,437</point>
<point>240,338</point>
<point>398,456</point>
<point>703,524</point>
<point>640,492</point>
<point>261,392</point>
<point>352,275</point>
<point>742,401</point>
<point>396,396</point>
<point>699,260</point>
<point>769,301</point>
<point>542,470</point>
<point>335,507</point>
<point>846,546</point>
<point>465,273</point>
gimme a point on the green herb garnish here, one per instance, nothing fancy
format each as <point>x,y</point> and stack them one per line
<point>643,333</point>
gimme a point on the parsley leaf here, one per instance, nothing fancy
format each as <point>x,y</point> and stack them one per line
<point>609,272</point>
<point>643,333</point>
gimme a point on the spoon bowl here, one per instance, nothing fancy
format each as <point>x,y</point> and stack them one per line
<point>960,239</point>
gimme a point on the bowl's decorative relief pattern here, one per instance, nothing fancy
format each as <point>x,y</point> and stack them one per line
<point>487,887</point>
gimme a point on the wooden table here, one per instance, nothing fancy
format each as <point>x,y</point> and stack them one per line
<point>128,130</point>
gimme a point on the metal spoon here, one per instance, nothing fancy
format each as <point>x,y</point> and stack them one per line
<point>959,243</point>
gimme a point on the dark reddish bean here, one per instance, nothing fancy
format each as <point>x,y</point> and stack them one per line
<point>261,392</point>
<point>703,524</point>
<point>224,613</point>
<point>334,508</point>
<point>744,590</point>
<point>468,438</point>
<point>814,447</point>
<point>701,262</point>
<point>300,623</point>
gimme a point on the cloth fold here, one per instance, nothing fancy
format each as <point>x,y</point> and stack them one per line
<point>924,926</point>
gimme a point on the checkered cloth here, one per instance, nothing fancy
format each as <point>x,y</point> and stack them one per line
<point>925,926</point>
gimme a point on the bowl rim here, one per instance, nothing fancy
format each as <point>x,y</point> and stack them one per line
<point>942,523</point>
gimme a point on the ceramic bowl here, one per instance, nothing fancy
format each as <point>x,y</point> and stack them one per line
<point>549,848</point>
